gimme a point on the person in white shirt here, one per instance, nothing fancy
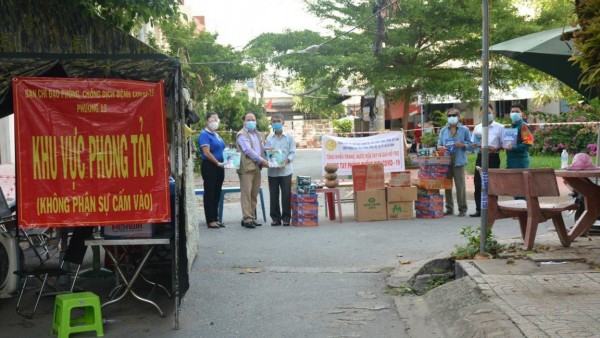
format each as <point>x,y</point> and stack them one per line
<point>280,177</point>
<point>495,132</point>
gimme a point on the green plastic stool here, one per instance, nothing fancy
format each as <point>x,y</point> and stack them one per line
<point>91,320</point>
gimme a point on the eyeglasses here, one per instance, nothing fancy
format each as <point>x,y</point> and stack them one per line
<point>450,115</point>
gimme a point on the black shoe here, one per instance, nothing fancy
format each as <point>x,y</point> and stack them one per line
<point>448,213</point>
<point>221,225</point>
<point>256,224</point>
<point>287,224</point>
<point>477,214</point>
<point>249,225</point>
<point>275,223</point>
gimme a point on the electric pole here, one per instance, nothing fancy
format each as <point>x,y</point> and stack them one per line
<point>378,9</point>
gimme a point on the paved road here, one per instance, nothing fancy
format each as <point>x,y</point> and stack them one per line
<point>326,281</point>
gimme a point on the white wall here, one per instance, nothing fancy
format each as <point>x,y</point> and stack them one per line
<point>7,140</point>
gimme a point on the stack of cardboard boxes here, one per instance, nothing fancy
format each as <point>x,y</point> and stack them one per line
<point>369,192</point>
<point>400,196</point>
<point>433,173</point>
<point>373,201</point>
<point>305,204</point>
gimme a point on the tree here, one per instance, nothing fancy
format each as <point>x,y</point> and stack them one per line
<point>587,42</point>
<point>130,14</point>
<point>209,68</point>
<point>313,87</point>
<point>231,107</point>
<point>430,47</point>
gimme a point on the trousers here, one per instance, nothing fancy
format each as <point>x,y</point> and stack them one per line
<point>493,162</point>
<point>281,212</point>
<point>249,187</point>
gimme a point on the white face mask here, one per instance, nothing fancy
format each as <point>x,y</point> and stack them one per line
<point>213,125</point>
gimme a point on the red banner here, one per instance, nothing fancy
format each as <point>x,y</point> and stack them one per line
<point>90,152</point>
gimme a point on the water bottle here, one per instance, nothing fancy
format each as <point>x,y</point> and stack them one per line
<point>564,159</point>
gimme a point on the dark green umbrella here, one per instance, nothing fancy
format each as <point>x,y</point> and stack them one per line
<point>546,51</point>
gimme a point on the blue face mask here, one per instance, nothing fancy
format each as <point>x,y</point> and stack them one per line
<point>515,117</point>
<point>490,117</point>
<point>453,119</point>
<point>277,126</point>
<point>251,125</point>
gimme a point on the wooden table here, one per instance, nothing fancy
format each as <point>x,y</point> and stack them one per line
<point>580,181</point>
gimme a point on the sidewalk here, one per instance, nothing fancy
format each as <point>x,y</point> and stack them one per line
<point>554,292</point>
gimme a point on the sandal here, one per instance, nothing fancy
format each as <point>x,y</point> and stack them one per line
<point>212,226</point>
<point>275,223</point>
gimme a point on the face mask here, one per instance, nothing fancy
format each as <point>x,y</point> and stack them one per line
<point>428,130</point>
<point>251,125</point>
<point>277,126</point>
<point>453,119</point>
<point>213,125</point>
<point>490,117</point>
<point>515,117</point>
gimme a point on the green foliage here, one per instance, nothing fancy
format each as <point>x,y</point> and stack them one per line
<point>535,161</point>
<point>204,69</point>
<point>471,248</point>
<point>552,139</point>
<point>429,139</point>
<point>343,126</point>
<point>231,107</point>
<point>587,42</point>
<point>131,14</point>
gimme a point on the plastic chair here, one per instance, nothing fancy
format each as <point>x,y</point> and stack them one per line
<point>50,275</point>
<point>64,325</point>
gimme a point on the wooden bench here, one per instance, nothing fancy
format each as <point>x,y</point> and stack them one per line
<point>530,184</point>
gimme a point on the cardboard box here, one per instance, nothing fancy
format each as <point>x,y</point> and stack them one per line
<point>368,176</point>
<point>305,214</point>
<point>305,198</point>
<point>433,206</point>
<point>435,183</point>
<point>427,192</point>
<point>433,171</point>
<point>312,206</point>
<point>428,160</point>
<point>145,230</point>
<point>305,222</point>
<point>429,214</point>
<point>400,210</point>
<point>399,179</point>
<point>433,198</point>
<point>370,205</point>
<point>401,194</point>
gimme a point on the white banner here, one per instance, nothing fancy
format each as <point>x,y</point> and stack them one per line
<point>385,148</point>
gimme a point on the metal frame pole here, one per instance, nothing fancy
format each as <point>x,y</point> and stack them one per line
<point>484,123</point>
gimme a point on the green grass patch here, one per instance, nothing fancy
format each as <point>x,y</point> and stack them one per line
<point>535,161</point>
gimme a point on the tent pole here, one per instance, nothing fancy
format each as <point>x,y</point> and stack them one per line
<point>175,143</point>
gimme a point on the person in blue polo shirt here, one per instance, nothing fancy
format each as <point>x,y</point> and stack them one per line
<point>213,172</point>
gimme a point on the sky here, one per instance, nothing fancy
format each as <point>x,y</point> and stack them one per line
<point>239,21</point>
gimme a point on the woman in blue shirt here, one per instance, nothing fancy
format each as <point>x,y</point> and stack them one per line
<point>213,172</point>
